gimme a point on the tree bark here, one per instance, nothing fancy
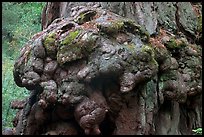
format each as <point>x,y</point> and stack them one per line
<point>154,88</point>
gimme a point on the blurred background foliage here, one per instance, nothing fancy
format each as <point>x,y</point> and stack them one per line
<point>20,21</point>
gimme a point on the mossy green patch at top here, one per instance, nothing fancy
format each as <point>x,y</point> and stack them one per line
<point>85,16</point>
<point>124,25</point>
<point>148,52</point>
<point>148,49</point>
<point>80,19</point>
<point>112,27</point>
<point>68,50</point>
<point>71,36</point>
<point>49,42</point>
<point>118,25</point>
<point>69,53</point>
<point>71,48</point>
<point>50,39</point>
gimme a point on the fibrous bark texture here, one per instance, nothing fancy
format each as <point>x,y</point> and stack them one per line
<point>128,68</point>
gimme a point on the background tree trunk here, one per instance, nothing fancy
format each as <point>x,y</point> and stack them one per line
<point>149,14</point>
<point>153,109</point>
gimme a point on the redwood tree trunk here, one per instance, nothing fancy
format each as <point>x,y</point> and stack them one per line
<point>163,98</point>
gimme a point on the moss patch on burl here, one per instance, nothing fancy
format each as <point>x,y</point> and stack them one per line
<point>71,36</point>
<point>49,44</point>
<point>146,53</point>
<point>149,50</point>
<point>68,50</point>
<point>130,26</point>
<point>72,49</point>
<point>111,27</point>
<point>85,16</point>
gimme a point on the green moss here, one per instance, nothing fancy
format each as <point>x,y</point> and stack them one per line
<point>130,25</point>
<point>50,39</point>
<point>144,35</point>
<point>134,28</point>
<point>68,50</point>
<point>49,44</point>
<point>118,26</point>
<point>72,35</point>
<point>85,17</point>
<point>148,49</point>
<point>70,53</point>
<point>81,18</point>
<point>172,44</point>
<point>111,27</point>
<point>122,26</point>
<point>161,54</point>
<point>145,53</point>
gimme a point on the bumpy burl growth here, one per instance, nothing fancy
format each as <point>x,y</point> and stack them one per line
<point>87,55</point>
